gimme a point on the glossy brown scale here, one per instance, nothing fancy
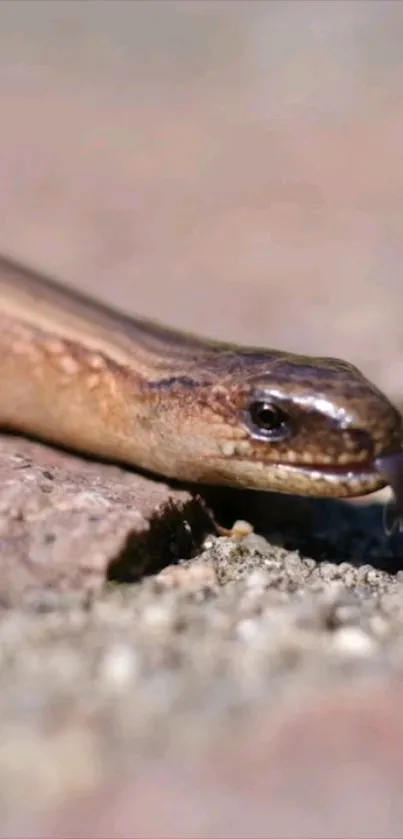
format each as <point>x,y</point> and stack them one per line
<point>77,373</point>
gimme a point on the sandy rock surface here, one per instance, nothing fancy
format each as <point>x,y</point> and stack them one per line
<point>234,169</point>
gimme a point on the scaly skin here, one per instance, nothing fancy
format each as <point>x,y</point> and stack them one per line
<point>81,375</point>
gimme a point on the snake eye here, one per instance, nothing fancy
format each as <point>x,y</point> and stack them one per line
<point>266,420</point>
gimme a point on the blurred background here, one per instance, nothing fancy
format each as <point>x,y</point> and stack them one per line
<point>234,168</point>
<point>231,167</point>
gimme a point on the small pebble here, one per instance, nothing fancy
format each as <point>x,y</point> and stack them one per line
<point>353,641</point>
<point>119,666</point>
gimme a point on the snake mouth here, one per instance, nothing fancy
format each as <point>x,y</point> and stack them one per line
<point>357,478</point>
<point>368,467</point>
<point>364,468</point>
<point>345,481</point>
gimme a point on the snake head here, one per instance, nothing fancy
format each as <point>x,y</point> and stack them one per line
<point>312,426</point>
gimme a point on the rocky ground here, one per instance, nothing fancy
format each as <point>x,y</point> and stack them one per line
<point>182,683</point>
<point>235,169</point>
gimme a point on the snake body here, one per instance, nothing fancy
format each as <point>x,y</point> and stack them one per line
<point>79,374</point>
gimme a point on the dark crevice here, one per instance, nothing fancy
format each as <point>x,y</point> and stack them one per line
<point>175,534</point>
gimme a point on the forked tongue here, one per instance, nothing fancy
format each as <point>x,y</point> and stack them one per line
<point>391,468</point>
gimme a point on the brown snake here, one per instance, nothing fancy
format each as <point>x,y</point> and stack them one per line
<point>78,374</point>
